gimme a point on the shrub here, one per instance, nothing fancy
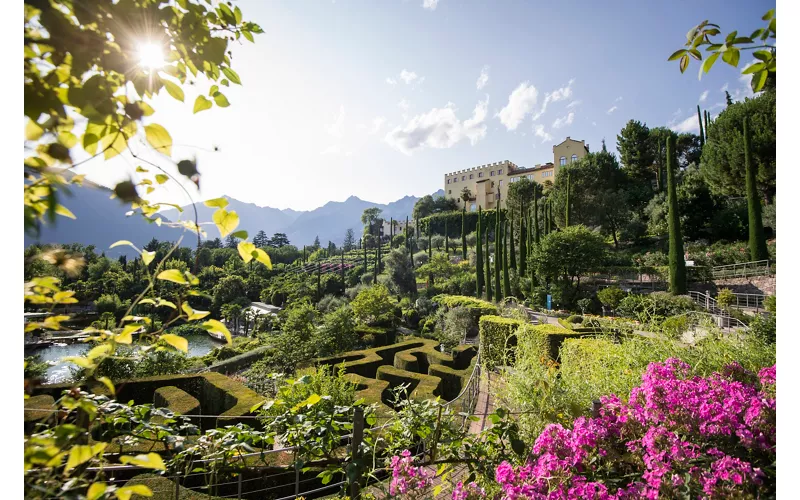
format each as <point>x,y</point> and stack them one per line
<point>675,326</point>
<point>35,367</point>
<point>575,319</point>
<point>498,340</point>
<point>655,306</point>
<point>543,342</point>
<point>322,381</point>
<point>457,322</point>
<point>337,332</point>
<point>770,304</point>
<point>374,306</point>
<point>611,296</point>
<point>725,298</point>
<point>421,258</point>
<point>330,303</point>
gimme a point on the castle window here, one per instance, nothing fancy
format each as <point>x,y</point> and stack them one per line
<point>448,181</point>
<point>563,160</point>
<point>449,191</point>
<point>574,158</point>
<point>470,176</point>
<point>463,177</point>
<point>500,172</point>
<point>491,173</point>
<point>480,174</point>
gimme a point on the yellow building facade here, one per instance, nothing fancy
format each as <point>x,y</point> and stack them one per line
<point>489,183</point>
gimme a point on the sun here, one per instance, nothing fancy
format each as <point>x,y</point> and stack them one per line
<point>150,55</point>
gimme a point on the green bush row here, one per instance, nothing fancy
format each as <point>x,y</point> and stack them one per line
<point>498,340</point>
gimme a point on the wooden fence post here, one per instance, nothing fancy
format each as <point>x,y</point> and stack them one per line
<point>358,436</point>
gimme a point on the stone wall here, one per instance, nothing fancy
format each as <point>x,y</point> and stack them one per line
<point>754,284</point>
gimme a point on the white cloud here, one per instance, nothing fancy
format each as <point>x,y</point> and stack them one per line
<point>573,104</point>
<point>336,129</point>
<point>724,87</point>
<point>704,96</point>
<point>377,124</point>
<point>618,99</point>
<point>557,95</point>
<point>520,103</point>
<point>594,124</point>
<point>539,131</point>
<point>439,128</point>
<point>677,113</point>
<point>403,104</point>
<point>611,109</point>
<point>687,125</point>
<point>483,79</point>
<point>564,121</point>
<point>391,81</point>
<point>430,4</point>
<point>408,76</point>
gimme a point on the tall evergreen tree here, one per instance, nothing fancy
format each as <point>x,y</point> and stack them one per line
<point>504,244</point>
<point>523,244</point>
<point>677,265</point>
<point>464,233</point>
<point>446,239</point>
<point>416,235</point>
<point>498,256</point>
<point>536,218</point>
<point>349,240</point>
<point>376,269</point>
<point>700,122</point>
<point>364,244</point>
<point>479,256</point>
<point>488,281</point>
<point>430,242</point>
<point>708,119</point>
<point>513,258</point>
<point>757,241</point>
<point>567,208</point>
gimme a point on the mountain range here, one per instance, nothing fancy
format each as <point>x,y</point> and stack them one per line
<point>101,221</point>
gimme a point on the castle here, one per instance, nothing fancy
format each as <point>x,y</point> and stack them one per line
<point>489,183</point>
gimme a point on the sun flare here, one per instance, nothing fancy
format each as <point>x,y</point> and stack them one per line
<point>150,55</point>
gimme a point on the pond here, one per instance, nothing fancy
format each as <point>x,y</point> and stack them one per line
<point>199,345</point>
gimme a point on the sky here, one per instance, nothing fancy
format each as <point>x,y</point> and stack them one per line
<point>381,99</point>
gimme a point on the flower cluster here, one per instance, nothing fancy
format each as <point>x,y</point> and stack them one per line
<point>406,477</point>
<point>701,436</point>
<point>470,491</point>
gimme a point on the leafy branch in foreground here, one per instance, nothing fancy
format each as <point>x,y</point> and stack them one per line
<point>760,42</point>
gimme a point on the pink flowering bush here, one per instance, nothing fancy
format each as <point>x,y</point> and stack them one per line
<point>677,436</point>
<point>408,480</point>
<point>470,491</point>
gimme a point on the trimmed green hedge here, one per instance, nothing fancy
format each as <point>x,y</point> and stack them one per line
<point>177,400</point>
<point>44,402</point>
<point>498,339</point>
<point>421,386</point>
<point>237,363</point>
<point>371,390</point>
<point>544,341</point>
<point>382,336</point>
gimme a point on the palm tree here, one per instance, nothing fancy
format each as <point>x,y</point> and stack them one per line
<point>466,195</point>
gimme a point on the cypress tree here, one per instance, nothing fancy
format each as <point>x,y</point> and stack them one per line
<point>416,235</point>
<point>677,266</point>
<point>488,282</point>
<point>512,258</point>
<point>757,243</point>
<point>567,208</point>
<point>506,281</point>
<point>408,241</point>
<point>464,234</point>
<point>377,264</point>
<point>479,256</point>
<point>430,242</point>
<point>708,117</point>
<point>364,244</point>
<point>446,240</point>
<point>498,259</point>
<point>523,243</point>
<point>536,217</point>
<point>700,121</point>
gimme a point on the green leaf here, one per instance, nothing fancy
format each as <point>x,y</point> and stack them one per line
<point>216,202</point>
<point>173,275</point>
<point>215,326</point>
<point>82,453</point>
<point>232,75</point>
<point>147,257</point>
<point>62,210</point>
<point>675,55</point>
<point>263,257</point>
<point>221,100</point>
<point>173,89</point>
<point>248,35</point>
<point>769,15</point>
<point>754,68</point>
<point>710,62</point>
<point>159,138</point>
<point>96,491</point>
<point>78,360</point>
<point>125,492</point>
<point>150,461</point>
<point>313,399</point>
<point>201,103</point>
<point>731,56</point>
<point>33,131</point>
<point>758,81</point>
<point>241,234</point>
<point>176,341</point>
<point>161,178</point>
<point>108,383</point>
<point>68,139</point>
<point>246,250</point>
<point>684,63</point>
<point>226,221</point>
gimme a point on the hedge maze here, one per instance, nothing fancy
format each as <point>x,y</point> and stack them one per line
<point>417,362</point>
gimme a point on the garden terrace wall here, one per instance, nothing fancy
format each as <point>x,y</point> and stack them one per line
<point>498,339</point>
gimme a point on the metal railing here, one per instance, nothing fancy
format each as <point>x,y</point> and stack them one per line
<point>749,301</point>
<point>708,302</point>
<point>468,397</point>
<point>742,270</point>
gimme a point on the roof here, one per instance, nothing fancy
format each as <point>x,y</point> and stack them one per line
<point>532,169</point>
<point>264,307</point>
